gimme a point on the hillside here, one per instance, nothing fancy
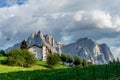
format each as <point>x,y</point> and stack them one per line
<point>40,65</point>
<point>40,71</point>
<point>99,72</point>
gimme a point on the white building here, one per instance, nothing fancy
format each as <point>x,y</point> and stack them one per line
<point>40,52</point>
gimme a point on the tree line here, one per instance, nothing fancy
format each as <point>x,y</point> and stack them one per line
<point>55,59</point>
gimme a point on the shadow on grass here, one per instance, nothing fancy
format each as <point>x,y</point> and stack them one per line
<point>99,72</point>
<point>30,75</point>
<point>43,64</point>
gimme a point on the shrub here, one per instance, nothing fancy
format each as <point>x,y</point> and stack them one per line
<point>2,53</point>
<point>53,60</point>
<point>69,59</point>
<point>63,58</point>
<point>18,57</point>
<point>77,60</point>
<point>84,62</point>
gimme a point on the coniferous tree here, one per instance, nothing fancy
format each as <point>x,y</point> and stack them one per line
<point>23,45</point>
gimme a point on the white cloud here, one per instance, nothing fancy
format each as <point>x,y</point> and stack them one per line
<point>116,52</point>
<point>102,19</point>
<point>0,35</point>
<point>66,20</point>
<point>79,15</point>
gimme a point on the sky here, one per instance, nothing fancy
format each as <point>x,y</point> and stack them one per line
<point>66,20</point>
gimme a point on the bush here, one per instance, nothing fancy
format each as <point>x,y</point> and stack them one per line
<point>63,58</point>
<point>77,60</point>
<point>3,60</point>
<point>84,62</point>
<point>53,60</point>
<point>69,59</point>
<point>2,53</point>
<point>18,57</point>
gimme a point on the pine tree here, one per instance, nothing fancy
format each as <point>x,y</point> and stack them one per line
<point>23,45</point>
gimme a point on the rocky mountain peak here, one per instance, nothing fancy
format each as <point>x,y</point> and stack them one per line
<point>85,39</point>
<point>86,48</point>
<point>38,38</point>
<point>32,35</point>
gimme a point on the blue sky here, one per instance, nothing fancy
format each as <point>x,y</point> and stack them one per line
<point>66,20</point>
<point>4,3</point>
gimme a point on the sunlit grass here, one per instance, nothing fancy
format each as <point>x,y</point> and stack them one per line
<point>40,65</point>
<point>40,71</point>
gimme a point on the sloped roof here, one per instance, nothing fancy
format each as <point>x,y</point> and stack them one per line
<point>35,45</point>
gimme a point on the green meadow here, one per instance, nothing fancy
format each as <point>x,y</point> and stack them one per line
<point>41,71</point>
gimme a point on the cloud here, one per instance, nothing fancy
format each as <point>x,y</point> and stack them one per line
<point>66,20</point>
<point>102,19</point>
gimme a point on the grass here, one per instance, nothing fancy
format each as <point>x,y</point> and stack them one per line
<point>2,58</point>
<point>40,71</point>
<point>7,69</point>
<point>87,73</point>
<point>40,65</point>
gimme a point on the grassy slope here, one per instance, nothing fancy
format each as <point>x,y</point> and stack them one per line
<point>40,65</point>
<point>42,72</point>
<point>87,73</point>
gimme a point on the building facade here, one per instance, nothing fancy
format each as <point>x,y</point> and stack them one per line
<point>40,52</point>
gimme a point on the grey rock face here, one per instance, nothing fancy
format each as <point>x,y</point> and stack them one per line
<point>88,49</point>
<point>85,48</point>
<point>106,51</point>
<point>39,39</point>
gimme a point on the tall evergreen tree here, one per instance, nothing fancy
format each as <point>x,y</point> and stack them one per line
<point>23,45</point>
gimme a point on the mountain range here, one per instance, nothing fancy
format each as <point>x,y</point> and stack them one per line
<point>86,48</point>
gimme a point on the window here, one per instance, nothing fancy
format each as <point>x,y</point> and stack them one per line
<point>35,50</point>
